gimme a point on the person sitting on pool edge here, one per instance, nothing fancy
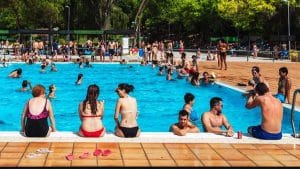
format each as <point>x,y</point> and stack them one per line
<point>257,77</point>
<point>91,114</point>
<point>215,119</point>
<point>127,107</point>
<point>183,126</point>
<point>271,111</point>
<point>34,121</point>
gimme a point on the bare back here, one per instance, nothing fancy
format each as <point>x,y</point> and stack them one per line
<point>128,111</point>
<point>272,112</point>
<point>91,122</point>
<point>37,105</point>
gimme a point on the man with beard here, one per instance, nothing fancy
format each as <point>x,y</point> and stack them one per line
<point>215,119</point>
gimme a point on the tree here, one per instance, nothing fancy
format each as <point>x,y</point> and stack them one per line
<point>247,15</point>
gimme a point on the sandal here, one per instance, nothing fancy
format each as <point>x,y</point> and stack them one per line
<point>84,155</point>
<point>106,152</point>
<point>32,155</point>
<point>70,157</point>
<point>97,152</point>
<point>43,150</point>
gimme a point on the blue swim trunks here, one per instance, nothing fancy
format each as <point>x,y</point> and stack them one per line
<point>280,97</point>
<point>258,132</point>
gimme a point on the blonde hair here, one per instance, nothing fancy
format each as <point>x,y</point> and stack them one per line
<point>38,90</point>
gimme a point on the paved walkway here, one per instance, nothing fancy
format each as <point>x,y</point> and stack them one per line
<point>149,154</point>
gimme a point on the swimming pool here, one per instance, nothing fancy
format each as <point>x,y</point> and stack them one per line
<point>158,100</point>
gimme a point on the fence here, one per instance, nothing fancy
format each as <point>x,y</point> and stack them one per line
<point>11,53</point>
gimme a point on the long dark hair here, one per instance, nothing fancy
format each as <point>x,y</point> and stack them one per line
<point>91,96</point>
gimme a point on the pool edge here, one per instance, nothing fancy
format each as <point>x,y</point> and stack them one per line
<point>147,137</point>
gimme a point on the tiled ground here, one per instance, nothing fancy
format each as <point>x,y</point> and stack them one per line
<point>152,154</point>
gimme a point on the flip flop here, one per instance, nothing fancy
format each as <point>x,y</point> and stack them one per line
<point>106,152</point>
<point>84,155</point>
<point>43,150</point>
<point>70,157</point>
<point>98,152</point>
<point>32,155</point>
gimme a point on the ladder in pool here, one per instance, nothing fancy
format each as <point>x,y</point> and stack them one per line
<point>296,135</point>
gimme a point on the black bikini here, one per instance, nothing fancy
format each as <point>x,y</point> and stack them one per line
<point>129,132</point>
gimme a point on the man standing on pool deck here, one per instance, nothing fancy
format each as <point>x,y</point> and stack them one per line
<point>215,119</point>
<point>184,125</point>
<point>272,112</point>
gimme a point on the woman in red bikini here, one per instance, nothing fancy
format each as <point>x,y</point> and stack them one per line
<point>91,113</point>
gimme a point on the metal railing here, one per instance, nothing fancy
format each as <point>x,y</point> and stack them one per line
<point>296,135</point>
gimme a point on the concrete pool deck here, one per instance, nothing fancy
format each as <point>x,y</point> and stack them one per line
<point>14,154</point>
<point>148,137</point>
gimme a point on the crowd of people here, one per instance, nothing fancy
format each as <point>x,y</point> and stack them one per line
<point>39,50</point>
<point>38,109</point>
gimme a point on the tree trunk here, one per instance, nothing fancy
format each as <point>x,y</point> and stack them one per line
<point>138,18</point>
<point>107,13</point>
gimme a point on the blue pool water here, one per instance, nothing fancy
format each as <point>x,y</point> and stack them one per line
<point>158,100</point>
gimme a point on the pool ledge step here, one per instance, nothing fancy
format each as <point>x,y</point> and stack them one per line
<point>147,137</point>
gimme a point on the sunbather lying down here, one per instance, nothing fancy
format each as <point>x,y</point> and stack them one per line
<point>241,84</point>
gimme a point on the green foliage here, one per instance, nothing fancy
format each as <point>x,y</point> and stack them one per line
<point>205,17</point>
<point>246,14</point>
<point>119,20</point>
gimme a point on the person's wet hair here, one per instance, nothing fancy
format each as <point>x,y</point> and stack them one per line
<point>188,97</point>
<point>79,76</point>
<point>92,94</point>
<point>261,89</point>
<point>284,70</point>
<point>127,87</point>
<point>214,101</point>
<point>183,113</point>
<point>51,87</point>
<point>43,66</point>
<point>38,90</point>
<point>161,68</point>
<point>24,83</point>
<point>255,68</point>
<point>19,71</point>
